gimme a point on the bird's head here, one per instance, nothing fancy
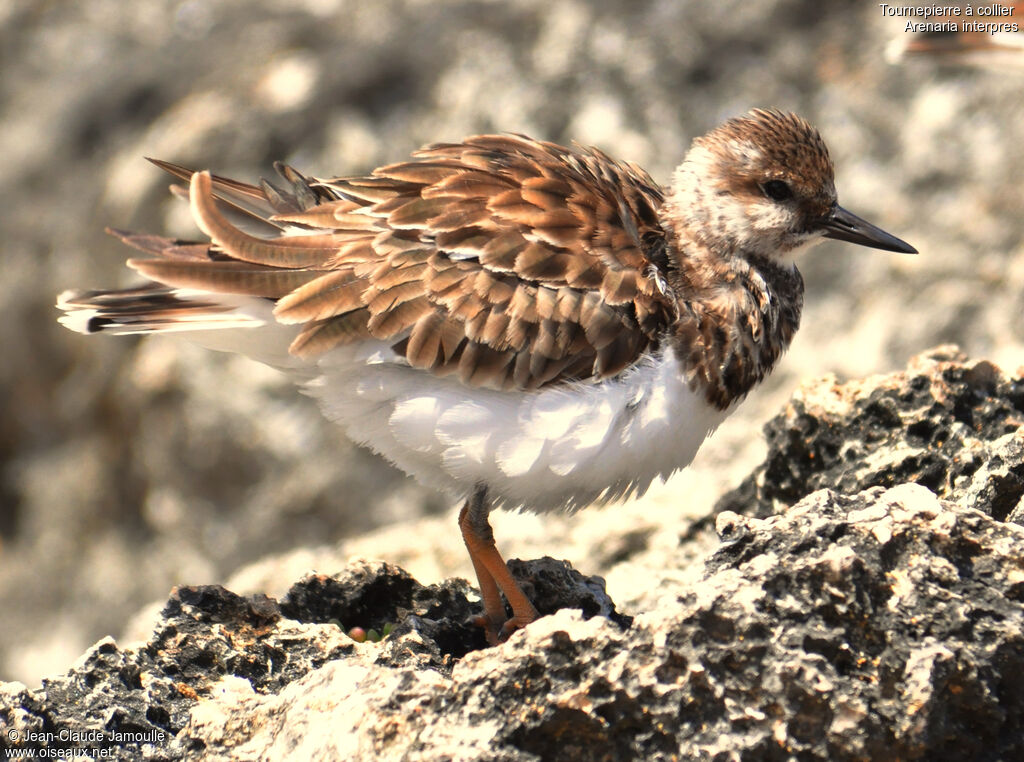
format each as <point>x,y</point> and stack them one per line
<point>763,184</point>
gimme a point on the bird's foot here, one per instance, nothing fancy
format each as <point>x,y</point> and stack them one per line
<point>497,631</point>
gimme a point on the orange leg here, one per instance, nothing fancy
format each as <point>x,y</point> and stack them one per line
<point>492,572</point>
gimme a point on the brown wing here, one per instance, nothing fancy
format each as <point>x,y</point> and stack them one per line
<point>511,262</point>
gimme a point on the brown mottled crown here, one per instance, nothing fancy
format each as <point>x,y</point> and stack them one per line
<point>788,148</point>
<point>784,139</point>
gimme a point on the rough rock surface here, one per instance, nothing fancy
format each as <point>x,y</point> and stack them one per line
<point>886,623</point>
<point>211,645</point>
<point>949,424</point>
<point>883,625</point>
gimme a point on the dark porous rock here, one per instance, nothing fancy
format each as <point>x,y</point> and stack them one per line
<point>884,625</point>
<point>212,643</point>
<point>554,585</point>
<point>380,597</point>
<point>134,700</point>
<point>902,615</point>
<point>948,423</point>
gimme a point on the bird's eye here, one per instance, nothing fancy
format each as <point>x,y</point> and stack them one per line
<point>777,190</point>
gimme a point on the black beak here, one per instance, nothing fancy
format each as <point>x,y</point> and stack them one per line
<point>846,226</point>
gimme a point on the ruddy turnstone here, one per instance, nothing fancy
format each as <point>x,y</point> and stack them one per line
<point>520,324</point>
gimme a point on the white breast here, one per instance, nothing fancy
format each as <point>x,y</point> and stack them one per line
<point>558,448</point>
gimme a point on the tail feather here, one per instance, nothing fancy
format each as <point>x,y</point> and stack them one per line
<point>203,288</point>
<point>224,277</point>
<point>218,290</point>
<point>148,309</point>
<point>169,248</point>
<point>197,285</point>
<point>222,322</point>
<point>259,204</point>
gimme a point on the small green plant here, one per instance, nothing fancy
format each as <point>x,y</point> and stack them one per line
<point>360,635</point>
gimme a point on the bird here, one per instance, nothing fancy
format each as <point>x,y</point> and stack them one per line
<point>516,323</point>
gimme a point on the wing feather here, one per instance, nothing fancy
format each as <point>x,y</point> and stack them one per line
<point>510,262</point>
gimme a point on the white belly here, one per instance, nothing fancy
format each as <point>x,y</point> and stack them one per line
<point>558,448</point>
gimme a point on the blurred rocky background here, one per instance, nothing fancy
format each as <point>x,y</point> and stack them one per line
<point>127,466</point>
